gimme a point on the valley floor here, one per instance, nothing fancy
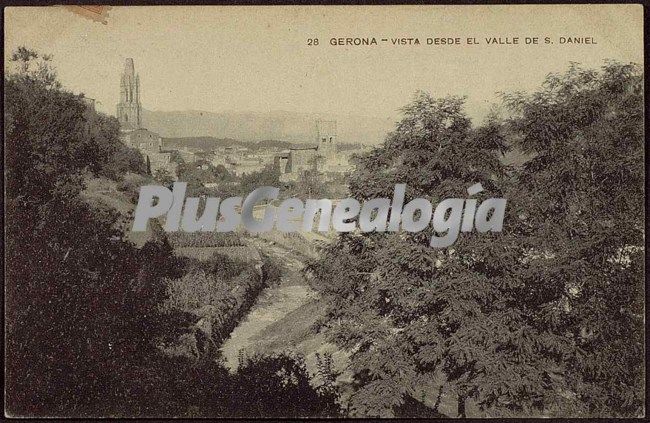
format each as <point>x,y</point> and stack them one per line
<point>281,320</point>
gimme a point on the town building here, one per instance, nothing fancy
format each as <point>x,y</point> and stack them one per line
<point>188,155</point>
<point>132,133</point>
<point>129,111</point>
<point>246,165</point>
<point>322,157</point>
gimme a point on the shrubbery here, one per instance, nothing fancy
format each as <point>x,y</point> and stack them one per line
<point>83,306</point>
<point>284,379</point>
<point>205,239</point>
<point>210,282</point>
<point>123,160</point>
<point>263,387</point>
<point>545,318</point>
<point>130,184</point>
<point>77,302</point>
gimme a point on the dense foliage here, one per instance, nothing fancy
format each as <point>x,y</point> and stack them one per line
<point>79,298</point>
<point>545,318</point>
<point>383,288</point>
<point>197,174</point>
<point>84,307</point>
<point>269,176</point>
<point>582,195</point>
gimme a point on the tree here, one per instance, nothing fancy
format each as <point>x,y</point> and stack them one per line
<point>583,208</point>
<point>28,64</point>
<point>311,183</point>
<point>542,319</point>
<point>269,176</point>
<point>383,288</point>
<point>125,159</point>
<point>83,305</point>
<point>73,296</point>
<point>163,177</point>
<point>198,173</point>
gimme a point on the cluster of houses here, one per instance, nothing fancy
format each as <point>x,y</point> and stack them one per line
<point>239,160</point>
<point>323,156</point>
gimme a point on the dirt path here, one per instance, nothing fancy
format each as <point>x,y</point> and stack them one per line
<point>282,318</point>
<point>272,306</point>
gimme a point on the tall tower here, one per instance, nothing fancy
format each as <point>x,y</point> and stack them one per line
<point>326,138</point>
<point>129,111</point>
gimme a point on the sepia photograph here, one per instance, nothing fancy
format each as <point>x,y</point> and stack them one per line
<point>324,211</point>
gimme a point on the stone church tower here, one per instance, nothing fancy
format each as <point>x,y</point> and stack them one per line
<point>326,138</point>
<point>129,111</point>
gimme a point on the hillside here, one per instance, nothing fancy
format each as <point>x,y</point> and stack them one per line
<point>246,126</point>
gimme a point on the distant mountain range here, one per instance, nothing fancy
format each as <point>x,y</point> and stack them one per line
<point>211,143</point>
<point>247,126</point>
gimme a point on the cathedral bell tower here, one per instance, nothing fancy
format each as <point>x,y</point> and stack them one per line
<point>129,111</point>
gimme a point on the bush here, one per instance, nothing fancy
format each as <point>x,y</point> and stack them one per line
<point>80,300</point>
<point>205,239</point>
<point>265,386</point>
<point>124,159</point>
<point>130,185</point>
<point>195,289</point>
<point>226,266</point>
<point>278,386</point>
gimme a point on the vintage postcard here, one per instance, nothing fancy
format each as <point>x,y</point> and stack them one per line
<point>393,211</point>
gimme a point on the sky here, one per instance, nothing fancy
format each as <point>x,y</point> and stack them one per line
<point>257,59</point>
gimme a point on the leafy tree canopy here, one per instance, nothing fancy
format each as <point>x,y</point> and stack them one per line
<point>543,318</point>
